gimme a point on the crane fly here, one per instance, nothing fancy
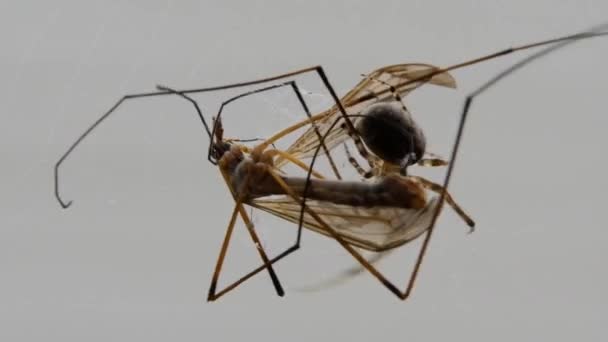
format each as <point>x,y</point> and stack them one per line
<point>386,208</point>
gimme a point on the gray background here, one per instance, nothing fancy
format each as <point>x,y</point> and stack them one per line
<point>132,259</point>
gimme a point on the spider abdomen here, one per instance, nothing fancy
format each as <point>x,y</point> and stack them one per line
<point>391,133</point>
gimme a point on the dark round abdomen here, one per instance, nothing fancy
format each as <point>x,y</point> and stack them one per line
<point>390,133</point>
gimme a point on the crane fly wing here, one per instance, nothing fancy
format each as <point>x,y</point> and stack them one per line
<point>371,228</point>
<point>377,84</point>
<point>375,87</point>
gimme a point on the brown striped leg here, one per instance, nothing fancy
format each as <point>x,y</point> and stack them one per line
<point>431,162</point>
<point>356,165</point>
<point>213,293</point>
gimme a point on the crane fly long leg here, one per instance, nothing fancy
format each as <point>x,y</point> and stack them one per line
<point>295,161</point>
<point>260,248</point>
<point>254,272</point>
<point>448,198</point>
<point>559,43</point>
<point>362,93</point>
<point>220,259</point>
<point>316,129</point>
<point>389,285</point>
<point>334,234</point>
<point>293,85</point>
<point>318,69</point>
<point>251,229</point>
<point>556,44</point>
<point>597,31</point>
<point>213,293</point>
<point>218,118</point>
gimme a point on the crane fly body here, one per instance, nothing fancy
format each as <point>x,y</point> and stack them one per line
<point>385,208</point>
<point>373,215</point>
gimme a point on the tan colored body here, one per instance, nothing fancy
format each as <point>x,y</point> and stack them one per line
<point>377,214</point>
<point>251,179</point>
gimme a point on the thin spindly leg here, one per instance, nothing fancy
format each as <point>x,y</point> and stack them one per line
<point>213,293</point>
<point>167,91</point>
<point>595,32</point>
<point>220,259</point>
<point>355,164</point>
<point>251,229</point>
<point>106,115</point>
<point>560,42</point>
<point>316,128</point>
<point>298,94</point>
<point>554,44</point>
<point>260,248</point>
<point>260,268</point>
<point>347,124</point>
<point>354,135</point>
<point>218,117</point>
<point>334,234</point>
<point>448,198</point>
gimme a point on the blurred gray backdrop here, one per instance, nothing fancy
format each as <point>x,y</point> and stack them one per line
<point>131,260</point>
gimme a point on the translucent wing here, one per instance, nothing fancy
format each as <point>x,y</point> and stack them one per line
<point>374,229</point>
<point>373,88</point>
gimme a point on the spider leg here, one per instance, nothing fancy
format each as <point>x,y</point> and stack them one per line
<point>432,162</point>
<point>356,165</point>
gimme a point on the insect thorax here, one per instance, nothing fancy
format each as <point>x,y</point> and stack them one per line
<point>249,174</point>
